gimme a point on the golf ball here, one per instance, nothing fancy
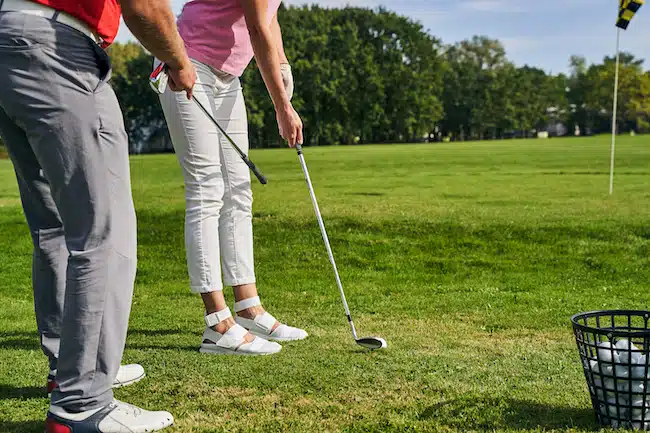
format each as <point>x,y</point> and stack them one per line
<point>639,372</point>
<point>637,414</point>
<point>625,350</point>
<point>624,386</point>
<point>637,387</point>
<point>608,369</point>
<point>606,352</point>
<point>609,384</point>
<point>621,372</point>
<point>610,409</point>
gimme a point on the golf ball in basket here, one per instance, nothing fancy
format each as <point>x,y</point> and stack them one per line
<point>624,385</point>
<point>608,369</point>
<point>607,352</point>
<point>621,371</point>
<point>610,409</point>
<point>639,372</point>
<point>609,384</point>
<point>638,415</point>
<point>624,350</point>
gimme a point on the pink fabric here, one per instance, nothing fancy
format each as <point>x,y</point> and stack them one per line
<point>215,33</point>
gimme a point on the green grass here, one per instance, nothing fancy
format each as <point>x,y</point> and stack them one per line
<point>468,258</point>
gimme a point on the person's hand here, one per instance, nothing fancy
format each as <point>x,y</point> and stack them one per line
<point>182,79</point>
<point>289,124</point>
<point>287,79</point>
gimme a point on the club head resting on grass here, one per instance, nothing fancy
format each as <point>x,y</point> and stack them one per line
<point>372,343</point>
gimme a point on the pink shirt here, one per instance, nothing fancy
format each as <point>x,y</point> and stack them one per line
<point>215,33</point>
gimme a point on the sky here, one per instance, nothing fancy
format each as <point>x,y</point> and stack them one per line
<point>537,33</point>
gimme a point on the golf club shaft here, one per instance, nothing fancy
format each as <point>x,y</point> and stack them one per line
<point>325,238</point>
<point>248,162</point>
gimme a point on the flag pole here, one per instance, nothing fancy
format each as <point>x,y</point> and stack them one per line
<point>611,167</point>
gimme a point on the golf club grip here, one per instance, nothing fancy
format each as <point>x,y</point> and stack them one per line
<point>255,171</point>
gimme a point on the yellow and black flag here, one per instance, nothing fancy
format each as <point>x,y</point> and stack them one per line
<point>627,9</point>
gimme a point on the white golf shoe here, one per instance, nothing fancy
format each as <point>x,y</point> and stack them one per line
<point>117,417</point>
<point>126,375</point>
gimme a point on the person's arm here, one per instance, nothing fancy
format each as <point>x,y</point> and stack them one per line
<point>268,61</point>
<point>266,52</point>
<point>277,38</point>
<point>154,25</point>
<point>285,68</point>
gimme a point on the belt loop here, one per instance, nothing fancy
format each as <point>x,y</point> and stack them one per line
<point>56,15</point>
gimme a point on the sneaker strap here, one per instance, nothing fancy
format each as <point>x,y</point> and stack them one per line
<point>247,303</point>
<point>218,317</point>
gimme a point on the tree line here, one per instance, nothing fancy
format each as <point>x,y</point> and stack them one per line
<point>373,76</point>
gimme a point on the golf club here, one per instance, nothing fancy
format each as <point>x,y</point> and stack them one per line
<point>367,342</point>
<point>158,82</point>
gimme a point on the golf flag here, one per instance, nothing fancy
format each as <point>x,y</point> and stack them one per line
<point>627,9</point>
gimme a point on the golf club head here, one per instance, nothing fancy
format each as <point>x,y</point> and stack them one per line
<point>158,79</point>
<point>372,343</point>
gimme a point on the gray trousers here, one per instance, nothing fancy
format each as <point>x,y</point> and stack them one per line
<point>63,129</point>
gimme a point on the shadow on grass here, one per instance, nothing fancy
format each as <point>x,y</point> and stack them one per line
<point>33,336</point>
<point>368,194</point>
<point>28,342</point>
<point>22,426</point>
<point>486,413</point>
<point>157,332</point>
<point>8,392</point>
<point>163,346</point>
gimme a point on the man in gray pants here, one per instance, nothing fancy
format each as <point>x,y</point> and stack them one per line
<point>63,129</point>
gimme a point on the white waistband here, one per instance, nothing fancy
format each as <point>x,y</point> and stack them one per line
<point>41,10</point>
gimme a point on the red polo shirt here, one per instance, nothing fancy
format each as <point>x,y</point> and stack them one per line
<point>103,16</point>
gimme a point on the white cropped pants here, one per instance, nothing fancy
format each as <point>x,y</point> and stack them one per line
<point>218,196</point>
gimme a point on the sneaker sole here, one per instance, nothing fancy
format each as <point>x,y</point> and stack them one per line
<point>269,338</point>
<point>221,351</point>
<point>148,430</point>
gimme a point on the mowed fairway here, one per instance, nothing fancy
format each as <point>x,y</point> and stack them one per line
<point>468,258</point>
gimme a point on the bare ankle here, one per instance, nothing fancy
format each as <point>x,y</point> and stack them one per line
<point>224,326</point>
<point>251,313</point>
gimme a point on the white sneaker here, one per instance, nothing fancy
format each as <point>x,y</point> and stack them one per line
<point>262,325</point>
<point>117,417</point>
<point>126,375</point>
<point>233,341</point>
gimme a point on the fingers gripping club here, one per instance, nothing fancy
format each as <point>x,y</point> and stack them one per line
<point>158,81</point>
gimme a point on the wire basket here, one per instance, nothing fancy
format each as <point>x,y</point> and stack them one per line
<point>614,347</point>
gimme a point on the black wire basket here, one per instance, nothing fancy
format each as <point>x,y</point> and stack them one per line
<point>614,347</point>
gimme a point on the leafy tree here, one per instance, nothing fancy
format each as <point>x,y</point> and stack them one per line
<point>368,76</point>
<point>143,116</point>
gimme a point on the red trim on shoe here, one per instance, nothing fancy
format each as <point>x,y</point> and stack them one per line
<point>51,426</point>
<point>51,384</point>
